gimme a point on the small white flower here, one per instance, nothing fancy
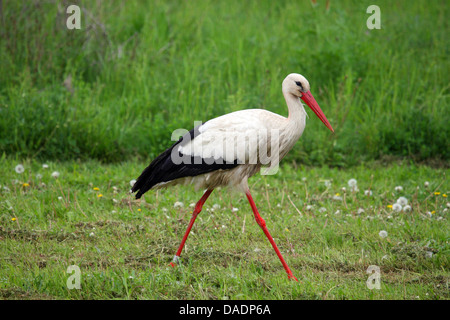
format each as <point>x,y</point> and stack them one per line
<point>132,182</point>
<point>19,168</point>
<point>402,201</point>
<point>178,204</point>
<point>192,204</point>
<point>337,198</point>
<point>114,211</point>
<point>448,204</point>
<point>368,193</point>
<point>235,209</point>
<point>39,176</point>
<point>115,201</point>
<point>389,217</point>
<point>216,206</point>
<point>399,188</point>
<point>304,179</point>
<point>164,209</point>
<point>429,214</point>
<point>383,234</point>
<point>55,174</point>
<point>337,212</point>
<point>407,208</point>
<point>429,254</point>
<point>309,207</point>
<point>45,166</point>
<point>352,183</point>
<point>322,209</point>
<point>426,184</point>
<point>91,234</point>
<point>327,183</point>
<point>360,210</point>
<point>343,189</point>
<point>60,198</point>
<point>397,207</point>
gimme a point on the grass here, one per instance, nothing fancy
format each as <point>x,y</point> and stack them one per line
<point>116,88</point>
<point>123,247</point>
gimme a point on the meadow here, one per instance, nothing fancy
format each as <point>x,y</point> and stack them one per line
<point>329,229</point>
<point>82,112</point>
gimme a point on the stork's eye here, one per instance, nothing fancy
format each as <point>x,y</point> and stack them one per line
<point>299,84</point>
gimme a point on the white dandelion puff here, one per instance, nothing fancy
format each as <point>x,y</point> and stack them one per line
<point>337,197</point>
<point>309,207</point>
<point>322,209</point>
<point>398,188</point>
<point>402,201</point>
<point>352,183</point>
<point>235,209</point>
<point>383,234</point>
<point>192,204</point>
<point>178,204</point>
<point>361,210</point>
<point>60,198</point>
<point>55,174</point>
<point>39,176</point>
<point>368,193</point>
<point>429,254</point>
<point>327,183</point>
<point>19,168</point>
<point>132,182</point>
<point>426,184</point>
<point>216,206</point>
<point>407,208</point>
<point>397,207</point>
<point>45,166</point>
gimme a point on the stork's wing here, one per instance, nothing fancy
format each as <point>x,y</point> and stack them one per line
<point>234,137</point>
<point>220,144</point>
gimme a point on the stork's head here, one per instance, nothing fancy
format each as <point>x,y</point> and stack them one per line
<point>297,85</point>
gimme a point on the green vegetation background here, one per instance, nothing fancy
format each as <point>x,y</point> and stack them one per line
<point>137,70</point>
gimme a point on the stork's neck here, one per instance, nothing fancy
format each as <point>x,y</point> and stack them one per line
<point>297,114</point>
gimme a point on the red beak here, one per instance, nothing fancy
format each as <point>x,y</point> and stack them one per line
<point>312,103</point>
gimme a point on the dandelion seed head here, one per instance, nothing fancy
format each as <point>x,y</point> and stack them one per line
<point>397,207</point>
<point>322,209</point>
<point>407,208</point>
<point>19,168</point>
<point>402,201</point>
<point>235,209</point>
<point>361,210</point>
<point>45,166</point>
<point>426,184</point>
<point>132,182</point>
<point>383,234</point>
<point>398,188</point>
<point>55,174</point>
<point>178,204</point>
<point>368,193</point>
<point>352,183</point>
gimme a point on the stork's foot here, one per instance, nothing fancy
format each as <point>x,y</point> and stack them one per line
<point>175,261</point>
<point>292,277</point>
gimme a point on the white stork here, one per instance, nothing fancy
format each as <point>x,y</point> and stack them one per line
<point>226,151</point>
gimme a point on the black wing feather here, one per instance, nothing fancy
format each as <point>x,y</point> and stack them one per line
<point>163,169</point>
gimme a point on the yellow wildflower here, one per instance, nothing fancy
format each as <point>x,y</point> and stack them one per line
<point>25,185</point>
<point>139,209</point>
<point>433,212</point>
<point>444,195</point>
<point>99,195</point>
<point>13,219</point>
<point>96,189</point>
<point>389,206</point>
<point>338,194</point>
<point>437,193</point>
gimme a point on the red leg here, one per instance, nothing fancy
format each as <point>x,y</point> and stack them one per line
<point>262,224</point>
<point>197,209</point>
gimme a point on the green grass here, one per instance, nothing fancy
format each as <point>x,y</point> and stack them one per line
<point>145,68</point>
<point>124,247</point>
